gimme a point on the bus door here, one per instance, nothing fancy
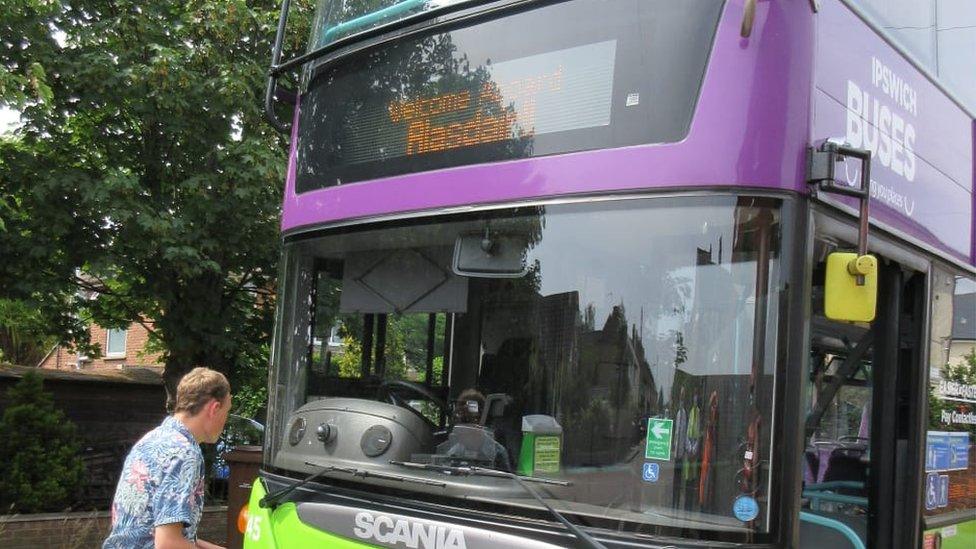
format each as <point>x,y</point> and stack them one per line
<point>862,409</point>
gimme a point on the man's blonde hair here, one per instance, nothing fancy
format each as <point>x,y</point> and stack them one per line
<point>196,389</point>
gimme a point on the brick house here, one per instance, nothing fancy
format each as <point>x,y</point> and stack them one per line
<point>124,348</point>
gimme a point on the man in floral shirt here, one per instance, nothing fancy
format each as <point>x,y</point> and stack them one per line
<point>159,498</point>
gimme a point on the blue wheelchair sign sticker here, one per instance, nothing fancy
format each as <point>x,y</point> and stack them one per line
<point>745,508</point>
<point>651,472</point>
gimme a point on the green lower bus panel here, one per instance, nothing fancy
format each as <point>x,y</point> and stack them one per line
<point>282,529</point>
<point>957,536</point>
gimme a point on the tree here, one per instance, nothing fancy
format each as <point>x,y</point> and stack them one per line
<point>405,350</point>
<point>39,449</point>
<point>249,384</point>
<point>144,175</point>
<point>24,337</point>
<point>349,361</point>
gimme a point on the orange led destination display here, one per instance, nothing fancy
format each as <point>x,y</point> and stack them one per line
<point>511,101</point>
<point>500,112</point>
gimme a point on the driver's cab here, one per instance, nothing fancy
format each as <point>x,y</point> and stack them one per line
<point>381,384</point>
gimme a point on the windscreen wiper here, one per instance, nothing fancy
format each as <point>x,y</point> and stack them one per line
<point>274,498</point>
<point>585,538</point>
<point>271,500</point>
<point>366,473</point>
<point>476,471</point>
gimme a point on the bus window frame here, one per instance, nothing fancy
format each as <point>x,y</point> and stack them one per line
<point>789,350</point>
<point>940,268</point>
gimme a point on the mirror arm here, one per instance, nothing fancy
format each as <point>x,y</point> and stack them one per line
<point>748,17</point>
<point>821,172</point>
<point>275,71</point>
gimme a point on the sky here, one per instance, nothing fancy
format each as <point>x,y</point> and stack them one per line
<point>941,34</point>
<point>9,119</point>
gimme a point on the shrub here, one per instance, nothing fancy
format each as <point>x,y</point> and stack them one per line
<point>39,450</point>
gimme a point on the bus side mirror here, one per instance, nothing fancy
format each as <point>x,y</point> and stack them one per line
<point>851,287</point>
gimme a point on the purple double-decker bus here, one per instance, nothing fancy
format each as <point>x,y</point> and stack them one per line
<point>629,273</point>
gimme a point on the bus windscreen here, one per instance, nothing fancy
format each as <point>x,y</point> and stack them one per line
<point>565,77</point>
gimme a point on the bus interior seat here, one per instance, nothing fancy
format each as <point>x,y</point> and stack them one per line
<point>839,463</point>
<point>508,372</point>
<point>843,459</point>
<point>474,445</point>
<point>494,418</point>
<point>846,464</point>
<point>495,404</point>
<point>812,466</point>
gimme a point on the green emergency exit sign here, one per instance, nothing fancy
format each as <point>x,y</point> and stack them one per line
<point>658,439</point>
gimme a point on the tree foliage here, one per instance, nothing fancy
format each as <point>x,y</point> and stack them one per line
<point>39,449</point>
<point>144,183</point>
<point>24,337</point>
<point>249,384</point>
<point>404,351</point>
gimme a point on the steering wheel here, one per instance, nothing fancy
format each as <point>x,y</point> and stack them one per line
<point>387,391</point>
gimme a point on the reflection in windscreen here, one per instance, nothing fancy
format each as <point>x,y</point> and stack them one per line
<point>625,361</point>
<point>337,19</point>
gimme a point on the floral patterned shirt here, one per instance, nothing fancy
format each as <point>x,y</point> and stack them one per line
<point>161,483</point>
